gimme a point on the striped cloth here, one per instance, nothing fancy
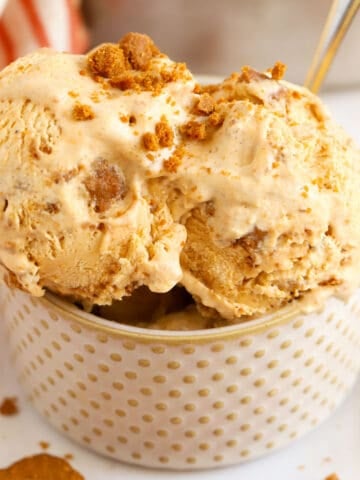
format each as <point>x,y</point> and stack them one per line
<point>26,25</point>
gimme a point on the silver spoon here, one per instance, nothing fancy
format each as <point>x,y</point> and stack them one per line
<point>339,19</point>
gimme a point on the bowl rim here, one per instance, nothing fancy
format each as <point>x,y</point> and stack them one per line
<point>143,335</point>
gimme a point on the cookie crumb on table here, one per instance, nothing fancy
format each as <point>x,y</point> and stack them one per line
<point>333,476</point>
<point>40,467</point>
<point>9,407</point>
<point>44,445</point>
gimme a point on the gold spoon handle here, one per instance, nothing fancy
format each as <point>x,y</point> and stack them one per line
<point>339,19</point>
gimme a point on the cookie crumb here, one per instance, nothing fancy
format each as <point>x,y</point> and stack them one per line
<point>69,456</point>
<point>41,466</point>
<point>150,141</point>
<point>216,119</point>
<point>105,185</point>
<point>9,407</point>
<point>128,65</point>
<point>278,71</point>
<point>107,61</point>
<point>138,49</point>
<point>82,112</point>
<point>124,118</point>
<point>164,134</point>
<point>173,162</point>
<point>44,445</point>
<point>194,130</point>
<point>333,476</point>
<point>205,105</point>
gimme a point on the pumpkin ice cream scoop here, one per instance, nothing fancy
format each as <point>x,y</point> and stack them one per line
<point>279,183</point>
<point>79,136</point>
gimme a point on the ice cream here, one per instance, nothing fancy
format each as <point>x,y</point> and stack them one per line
<point>118,171</point>
<point>280,202</point>
<point>77,216</point>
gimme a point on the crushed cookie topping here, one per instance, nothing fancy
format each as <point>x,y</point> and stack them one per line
<point>150,81</point>
<point>216,119</point>
<point>195,130</point>
<point>150,141</point>
<point>138,49</point>
<point>164,134</point>
<point>173,162</point>
<point>105,185</point>
<point>127,65</point>
<point>278,71</point>
<point>108,61</point>
<point>82,112</point>
<point>163,137</point>
<point>205,105</point>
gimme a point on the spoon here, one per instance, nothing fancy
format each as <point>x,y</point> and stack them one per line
<point>339,19</point>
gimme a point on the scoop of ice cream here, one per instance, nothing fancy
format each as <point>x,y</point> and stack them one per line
<point>76,141</point>
<point>117,170</point>
<point>278,183</point>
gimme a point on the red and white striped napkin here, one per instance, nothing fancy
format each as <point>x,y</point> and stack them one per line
<point>26,25</point>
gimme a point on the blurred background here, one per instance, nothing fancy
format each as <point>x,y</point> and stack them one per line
<point>217,37</point>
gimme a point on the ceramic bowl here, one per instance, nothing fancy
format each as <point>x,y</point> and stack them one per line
<point>183,400</point>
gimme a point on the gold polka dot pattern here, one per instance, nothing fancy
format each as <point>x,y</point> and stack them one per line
<point>190,403</point>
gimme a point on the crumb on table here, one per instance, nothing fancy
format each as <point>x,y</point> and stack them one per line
<point>44,445</point>
<point>9,407</point>
<point>40,467</point>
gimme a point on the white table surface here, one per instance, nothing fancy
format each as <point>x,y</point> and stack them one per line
<point>333,447</point>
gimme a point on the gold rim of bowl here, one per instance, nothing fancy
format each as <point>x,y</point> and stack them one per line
<point>143,335</point>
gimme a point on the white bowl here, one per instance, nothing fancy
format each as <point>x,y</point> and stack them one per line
<point>183,400</point>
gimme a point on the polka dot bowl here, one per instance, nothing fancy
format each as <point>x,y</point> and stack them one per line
<point>183,400</point>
